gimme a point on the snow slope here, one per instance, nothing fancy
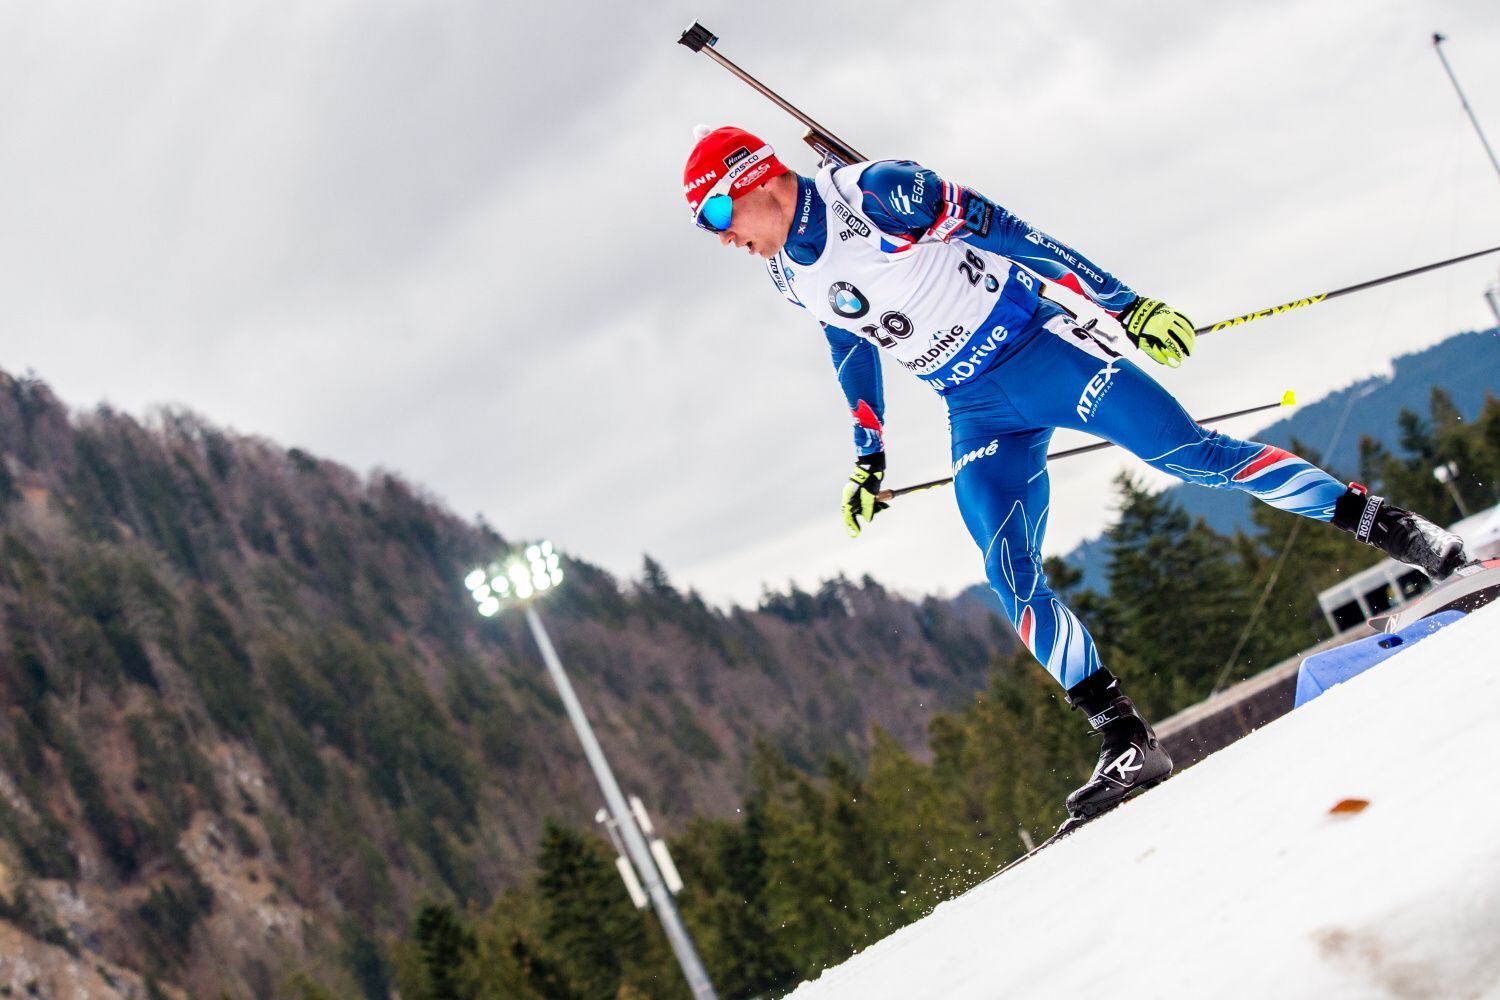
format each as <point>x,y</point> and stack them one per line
<point>1234,880</point>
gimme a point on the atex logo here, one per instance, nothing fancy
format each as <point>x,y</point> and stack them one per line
<point>1094,392</point>
<point>900,202</point>
<point>847,301</point>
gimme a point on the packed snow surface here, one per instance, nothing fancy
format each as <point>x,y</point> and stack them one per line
<point>1234,879</point>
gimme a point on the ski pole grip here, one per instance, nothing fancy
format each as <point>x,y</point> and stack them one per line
<point>696,37</point>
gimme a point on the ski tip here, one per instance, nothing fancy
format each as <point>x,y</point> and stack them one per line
<point>1289,398</point>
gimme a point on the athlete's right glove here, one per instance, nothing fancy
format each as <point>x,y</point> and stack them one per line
<point>1162,333</point>
<point>859,492</point>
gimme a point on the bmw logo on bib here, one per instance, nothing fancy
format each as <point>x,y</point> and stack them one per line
<point>847,301</point>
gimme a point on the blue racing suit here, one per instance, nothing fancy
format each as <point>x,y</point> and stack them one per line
<point>1052,373</point>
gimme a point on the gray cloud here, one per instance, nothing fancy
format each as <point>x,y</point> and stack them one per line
<point>450,240</point>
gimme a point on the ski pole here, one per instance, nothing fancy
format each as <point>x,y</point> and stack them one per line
<point>1288,398</point>
<point>1313,300</point>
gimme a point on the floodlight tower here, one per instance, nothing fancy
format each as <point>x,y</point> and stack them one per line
<point>517,581</point>
<point>1447,474</point>
<point>1437,43</point>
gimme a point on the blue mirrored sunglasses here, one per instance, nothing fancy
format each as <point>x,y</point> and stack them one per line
<point>716,213</point>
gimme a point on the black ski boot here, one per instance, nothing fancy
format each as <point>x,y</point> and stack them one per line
<point>1400,534</point>
<point>1131,759</point>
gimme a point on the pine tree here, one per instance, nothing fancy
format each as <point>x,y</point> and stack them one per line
<point>510,961</point>
<point>927,843</point>
<point>445,944</point>
<point>1023,751</point>
<point>588,920</point>
<point>1295,558</point>
<point>1177,601</point>
<point>724,870</point>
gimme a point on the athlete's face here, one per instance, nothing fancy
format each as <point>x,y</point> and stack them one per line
<point>759,223</point>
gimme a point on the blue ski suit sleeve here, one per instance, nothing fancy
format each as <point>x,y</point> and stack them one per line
<point>856,362</point>
<point>906,199</point>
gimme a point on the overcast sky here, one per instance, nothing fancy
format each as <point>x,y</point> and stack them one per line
<point>449,239</point>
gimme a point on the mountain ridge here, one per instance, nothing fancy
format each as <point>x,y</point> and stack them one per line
<point>243,686</point>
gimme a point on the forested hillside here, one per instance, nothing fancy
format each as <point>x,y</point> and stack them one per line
<point>811,871</point>
<point>250,718</point>
<point>254,741</point>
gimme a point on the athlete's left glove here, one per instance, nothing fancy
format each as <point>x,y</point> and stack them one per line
<point>859,492</point>
<point>1162,333</point>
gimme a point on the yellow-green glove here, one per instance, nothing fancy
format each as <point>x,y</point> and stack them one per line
<point>859,492</point>
<point>1162,333</point>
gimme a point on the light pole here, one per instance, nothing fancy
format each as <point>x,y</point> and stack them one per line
<point>516,582</point>
<point>1492,294</point>
<point>1446,474</point>
<point>1437,44</point>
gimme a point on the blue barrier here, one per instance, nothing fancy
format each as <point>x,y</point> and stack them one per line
<point>1322,671</point>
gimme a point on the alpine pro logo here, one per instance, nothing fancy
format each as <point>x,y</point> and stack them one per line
<point>847,301</point>
<point>1066,255</point>
<point>1095,391</point>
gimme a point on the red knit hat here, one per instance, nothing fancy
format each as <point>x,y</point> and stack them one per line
<point>729,161</point>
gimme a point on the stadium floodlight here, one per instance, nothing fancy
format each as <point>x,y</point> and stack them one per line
<point>515,580</point>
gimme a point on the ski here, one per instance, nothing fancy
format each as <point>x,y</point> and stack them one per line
<point>1069,825</point>
<point>1472,586</point>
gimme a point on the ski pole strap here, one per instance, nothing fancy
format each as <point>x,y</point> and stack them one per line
<point>1366,524</point>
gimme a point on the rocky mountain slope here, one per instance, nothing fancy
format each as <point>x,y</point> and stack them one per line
<point>248,717</point>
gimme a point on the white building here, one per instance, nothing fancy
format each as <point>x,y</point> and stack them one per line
<point>1390,584</point>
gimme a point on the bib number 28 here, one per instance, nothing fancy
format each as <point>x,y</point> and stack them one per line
<point>972,267</point>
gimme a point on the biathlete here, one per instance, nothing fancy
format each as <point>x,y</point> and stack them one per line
<point>891,258</point>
